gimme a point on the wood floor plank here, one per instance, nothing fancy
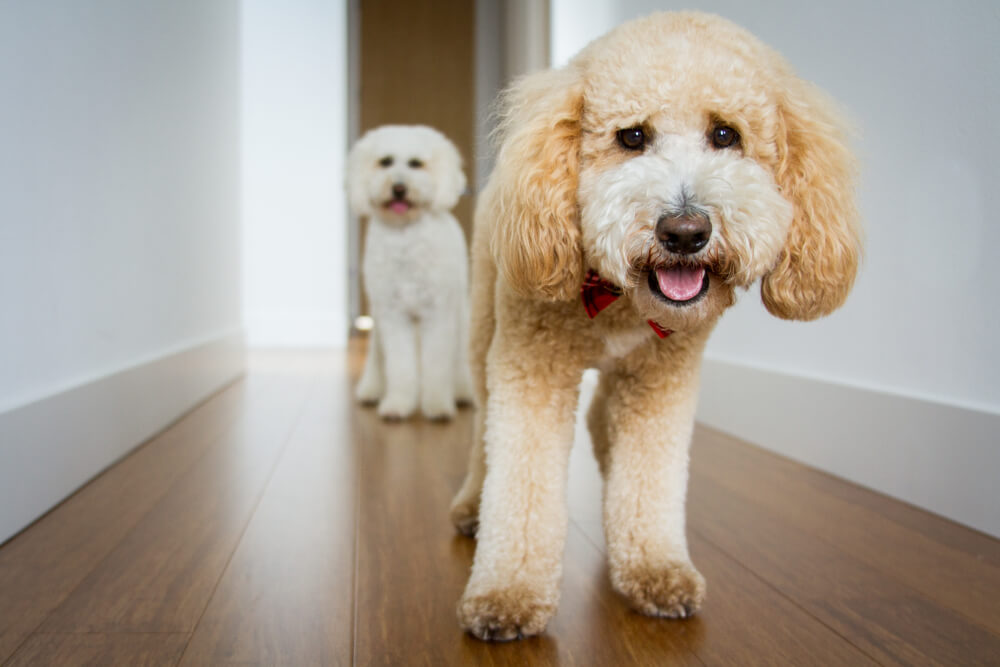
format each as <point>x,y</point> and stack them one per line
<point>979,547</point>
<point>43,564</point>
<point>287,597</point>
<point>101,650</point>
<point>159,578</point>
<point>892,622</point>
<point>968,585</point>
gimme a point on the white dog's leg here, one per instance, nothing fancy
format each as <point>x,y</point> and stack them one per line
<point>649,423</point>
<point>398,336</point>
<point>371,385</point>
<point>514,587</point>
<point>437,359</point>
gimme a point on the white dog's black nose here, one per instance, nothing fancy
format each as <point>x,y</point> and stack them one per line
<point>398,190</point>
<point>684,234</point>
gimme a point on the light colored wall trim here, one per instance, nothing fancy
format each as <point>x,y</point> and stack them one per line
<point>941,457</point>
<point>52,446</point>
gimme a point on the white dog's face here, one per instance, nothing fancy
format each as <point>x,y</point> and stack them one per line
<point>398,172</point>
<point>677,192</point>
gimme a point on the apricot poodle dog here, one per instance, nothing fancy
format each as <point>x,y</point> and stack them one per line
<point>672,163</point>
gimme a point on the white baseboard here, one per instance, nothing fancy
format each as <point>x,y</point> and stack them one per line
<point>940,457</point>
<point>51,447</point>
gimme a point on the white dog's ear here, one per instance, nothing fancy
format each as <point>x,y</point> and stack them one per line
<point>450,178</point>
<point>816,173</point>
<point>536,233</point>
<point>360,162</point>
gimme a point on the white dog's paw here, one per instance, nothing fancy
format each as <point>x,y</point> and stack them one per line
<point>464,395</point>
<point>367,393</point>
<point>506,614</point>
<point>438,408</point>
<point>675,590</point>
<point>396,408</point>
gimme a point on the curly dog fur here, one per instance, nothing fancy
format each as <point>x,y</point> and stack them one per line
<point>682,160</point>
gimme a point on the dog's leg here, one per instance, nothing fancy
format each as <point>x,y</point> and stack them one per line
<point>370,386</point>
<point>514,587</point>
<point>649,419</point>
<point>437,359</point>
<point>398,335</point>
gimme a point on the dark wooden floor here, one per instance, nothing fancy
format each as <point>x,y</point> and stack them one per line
<point>277,524</point>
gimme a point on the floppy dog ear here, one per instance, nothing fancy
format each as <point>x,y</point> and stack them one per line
<point>817,266</point>
<point>535,228</point>
<point>450,177</point>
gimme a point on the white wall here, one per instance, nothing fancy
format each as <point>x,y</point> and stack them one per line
<point>294,141</point>
<point>119,228</point>
<point>118,180</point>
<point>918,80</point>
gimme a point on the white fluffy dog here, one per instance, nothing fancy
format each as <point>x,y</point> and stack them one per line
<point>405,179</point>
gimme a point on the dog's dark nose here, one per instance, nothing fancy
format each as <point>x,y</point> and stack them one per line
<point>684,234</point>
<point>398,190</point>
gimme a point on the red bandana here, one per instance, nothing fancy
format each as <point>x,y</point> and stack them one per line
<point>598,294</point>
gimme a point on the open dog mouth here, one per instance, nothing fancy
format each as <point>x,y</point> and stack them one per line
<point>680,284</point>
<point>399,206</point>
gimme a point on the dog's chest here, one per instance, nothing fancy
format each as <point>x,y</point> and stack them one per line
<point>414,267</point>
<point>619,343</point>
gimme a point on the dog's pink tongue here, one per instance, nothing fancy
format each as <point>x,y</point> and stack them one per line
<point>399,207</point>
<point>680,283</point>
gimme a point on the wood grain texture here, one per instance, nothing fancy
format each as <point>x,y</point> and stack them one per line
<point>43,564</point>
<point>945,574</point>
<point>159,578</point>
<point>105,650</point>
<point>286,597</point>
<point>787,534</point>
<point>281,524</point>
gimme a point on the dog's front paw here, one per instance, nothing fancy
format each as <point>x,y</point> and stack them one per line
<point>505,614</point>
<point>367,393</point>
<point>396,408</point>
<point>438,408</point>
<point>675,590</point>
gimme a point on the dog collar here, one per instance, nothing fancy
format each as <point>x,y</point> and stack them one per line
<point>597,294</point>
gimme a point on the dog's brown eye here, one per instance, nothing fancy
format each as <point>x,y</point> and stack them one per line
<point>632,138</point>
<point>386,161</point>
<point>415,164</point>
<point>724,136</point>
